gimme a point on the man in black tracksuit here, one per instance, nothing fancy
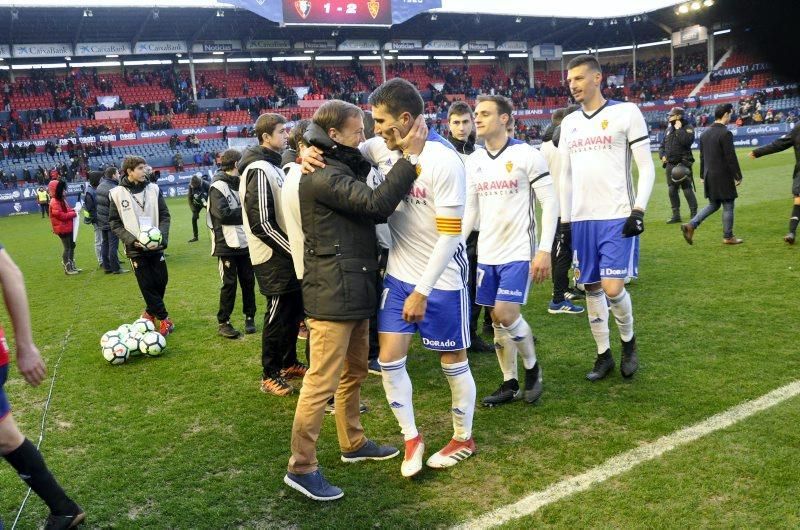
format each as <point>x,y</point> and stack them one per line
<point>109,245</point>
<point>134,205</point>
<point>785,142</point>
<point>676,156</point>
<point>260,185</point>
<point>462,135</point>
<point>229,245</point>
<point>198,198</point>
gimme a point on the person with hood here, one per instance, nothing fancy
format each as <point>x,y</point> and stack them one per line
<point>339,211</point>
<point>90,213</point>
<point>198,199</point>
<point>561,255</point>
<point>62,217</point>
<point>260,190</point>
<point>462,136</point>
<point>109,245</point>
<point>136,205</point>
<point>229,245</point>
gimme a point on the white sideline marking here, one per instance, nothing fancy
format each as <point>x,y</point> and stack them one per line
<point>625,461</point>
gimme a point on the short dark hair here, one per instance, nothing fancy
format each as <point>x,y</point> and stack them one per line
<point>130,163</point>
<point>722,110</point>
<point>109,172</point>
<point>334,113</point>
<point>589,60</point>
<point>298,131</point>
<point>266,123</point>
<point>94,178</point>
<point>458,108</point>
<point>560,114</point>
<point>398,96</point>
<point>504,105</point>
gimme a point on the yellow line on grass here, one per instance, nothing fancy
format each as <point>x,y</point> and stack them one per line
<point>626,461</point>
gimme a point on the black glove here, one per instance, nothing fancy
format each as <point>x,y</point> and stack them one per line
<point>564,233</point>
<point>634,224</point>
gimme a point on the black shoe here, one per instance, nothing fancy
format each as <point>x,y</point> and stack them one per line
<point>330,407</point>
<point>488,329</point>
<point>193,240</point>
<point>574,294</point>
<point>789,238</point>
<point>64,522</point>
<point>228,331</point>
<point>121,271</point>
<point>249,325</point>
<point>374,367</point>
<point>630,360</point>
<point>603,365</point>
<point>478,345</point>
<point>506,393</point>
<point>673,220</point>
<point>533,384</point>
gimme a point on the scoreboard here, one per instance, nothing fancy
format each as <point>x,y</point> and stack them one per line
<point>338,12</point>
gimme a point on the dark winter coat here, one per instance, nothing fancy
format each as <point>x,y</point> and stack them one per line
<point>115,221</point>
<point>719,167</point>
<point>222,213</point>
<point>105,186</point>
<point>339,211</point>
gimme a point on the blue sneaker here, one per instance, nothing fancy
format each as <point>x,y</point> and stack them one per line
<point>371,451</point>
<point>314,486</point>
<point>565,307</point>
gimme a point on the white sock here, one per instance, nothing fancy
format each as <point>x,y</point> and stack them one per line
<point>397,386</point>
<point>622,308</point>
<point>462,389</point>
<point>520,333</point>
<point>506,350</point>
<point>597,309</point>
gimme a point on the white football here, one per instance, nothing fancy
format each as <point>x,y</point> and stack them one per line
<point>143,325</point>
<point>150,237</point>
<point>152,343</point>
<point>108,336</point>
<point>131,340</point>
<point>124,329</point>
<point>115,352</point>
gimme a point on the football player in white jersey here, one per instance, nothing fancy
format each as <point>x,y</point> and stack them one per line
<point>425,283</point>
<point>502,181</point>
<point>604,211</point>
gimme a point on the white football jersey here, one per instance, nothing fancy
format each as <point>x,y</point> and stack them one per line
<point>441,183</point>
<point>505,185</point>
<point>599,150</point>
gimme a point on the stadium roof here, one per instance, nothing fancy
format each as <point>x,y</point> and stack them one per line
<point>29,25</point>
<point>532,8</point>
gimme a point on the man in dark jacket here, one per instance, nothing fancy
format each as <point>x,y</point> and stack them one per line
<point>785,142</point>
<point>109,246</point>
<point>229,245</point>
<point>338,212</point>
<point>262,215</point>
<point>462,136</point>
<point>198,199</point>
<point>720,173</point>
<point>90,213</point>
<point>136,205</point>
<point>676,156</point>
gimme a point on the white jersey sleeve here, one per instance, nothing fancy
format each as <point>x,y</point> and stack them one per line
<point>542,183</point>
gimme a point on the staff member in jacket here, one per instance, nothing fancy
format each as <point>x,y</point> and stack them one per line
<point>721,175</point>
<point>270,254</point>
<point>43,199</point>
<point>109,245</point>
<point>62,218</point>
<point>339,211</point>
<point>137,204</point>
<point>90,213</point>
<point>198,199</point>
<point>229,245</point>
<point>785,142</point>
<point>676,156</point>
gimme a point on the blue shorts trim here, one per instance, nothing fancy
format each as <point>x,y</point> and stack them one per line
<point>599,251</point>
<point>446,323</point>
<point>5,406</point>
<point>509,282</point>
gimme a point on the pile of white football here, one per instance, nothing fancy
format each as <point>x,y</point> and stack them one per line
<point>131,340</point>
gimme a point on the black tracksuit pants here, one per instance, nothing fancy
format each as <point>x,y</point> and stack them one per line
<point>475,309</point>
<point>151,275</point>
<point>279,334</point>
<point>233,269</point>
<point>561,260</point>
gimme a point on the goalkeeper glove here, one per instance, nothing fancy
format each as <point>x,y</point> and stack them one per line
<point>634,224</point>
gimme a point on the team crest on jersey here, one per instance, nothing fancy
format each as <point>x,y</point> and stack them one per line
<point>303,7</point>
<point>604,124</point>
<point>374,7</point>
<point>419,169</point>
<point>509,166</point>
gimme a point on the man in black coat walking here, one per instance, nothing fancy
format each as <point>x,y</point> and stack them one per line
<point>720,174</point>
<point>785,142</point>
<point>676,157</point>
